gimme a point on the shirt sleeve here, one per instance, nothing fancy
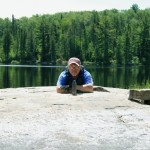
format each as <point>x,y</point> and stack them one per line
<point>87,78</point>
<point>62,79</point>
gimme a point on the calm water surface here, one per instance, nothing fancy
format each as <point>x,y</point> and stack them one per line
<point>12,76</point>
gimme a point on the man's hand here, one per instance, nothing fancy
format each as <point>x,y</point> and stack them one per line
<point>64,90</point>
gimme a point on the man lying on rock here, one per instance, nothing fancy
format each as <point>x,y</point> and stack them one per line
<point>74,78</point>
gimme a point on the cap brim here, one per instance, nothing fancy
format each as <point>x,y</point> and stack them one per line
<point>73,63</point>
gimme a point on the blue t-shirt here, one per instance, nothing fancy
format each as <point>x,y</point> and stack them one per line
<point>65,78</point>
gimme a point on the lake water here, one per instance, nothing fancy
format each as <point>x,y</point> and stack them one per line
<point>12,76</point>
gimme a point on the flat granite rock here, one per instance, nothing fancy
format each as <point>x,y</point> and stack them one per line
<point>140,95</point>
<point>39,118</point>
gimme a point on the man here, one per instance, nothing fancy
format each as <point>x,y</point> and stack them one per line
<point>74,71</point>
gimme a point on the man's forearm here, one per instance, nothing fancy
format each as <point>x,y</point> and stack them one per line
<point>85,88</point>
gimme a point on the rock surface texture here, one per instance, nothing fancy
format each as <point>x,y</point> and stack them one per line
<point>38,118</point>
<point>140,95</point>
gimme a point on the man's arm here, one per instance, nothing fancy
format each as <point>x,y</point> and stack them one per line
<point>61,84</point>
<point>85,88</point>
<point>88,86</point>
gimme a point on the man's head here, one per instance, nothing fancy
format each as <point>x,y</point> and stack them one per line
<point>74,66</point>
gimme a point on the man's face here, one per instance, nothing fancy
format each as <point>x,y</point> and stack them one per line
<point>74,69</point>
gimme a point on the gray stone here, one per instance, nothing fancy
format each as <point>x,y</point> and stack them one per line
<point>100,89</point>
<point>140,95</point>
<point>38,118</point>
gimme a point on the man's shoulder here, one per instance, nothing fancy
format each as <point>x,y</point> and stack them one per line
<point>85,72</point>
<point>63,73</point>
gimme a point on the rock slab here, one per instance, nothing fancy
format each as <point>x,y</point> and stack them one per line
<point>140,95</point>
<point>38,118</point>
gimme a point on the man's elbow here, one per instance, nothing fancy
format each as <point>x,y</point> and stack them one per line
<point>58,90</point>
<point>91,88</point>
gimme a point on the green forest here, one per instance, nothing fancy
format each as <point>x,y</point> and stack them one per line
<point>109,37</point>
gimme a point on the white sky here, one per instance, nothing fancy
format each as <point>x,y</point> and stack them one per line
<point>28,8</point>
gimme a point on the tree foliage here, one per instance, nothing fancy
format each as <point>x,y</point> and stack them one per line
<point>101,37</point>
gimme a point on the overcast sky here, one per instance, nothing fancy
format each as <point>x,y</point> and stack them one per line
<point>28,8</point>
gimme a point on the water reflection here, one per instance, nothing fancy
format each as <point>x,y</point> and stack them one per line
<point>143,75</point>
<point>6,79</point>
<point>28,76</point>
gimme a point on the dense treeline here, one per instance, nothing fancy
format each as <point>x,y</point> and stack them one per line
<point>103,38</point>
